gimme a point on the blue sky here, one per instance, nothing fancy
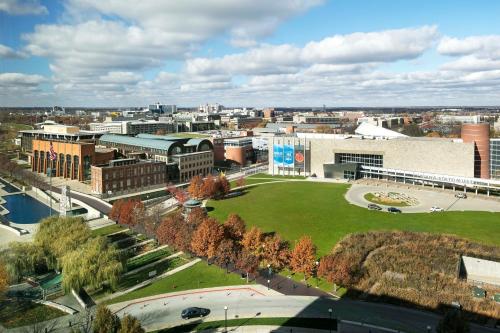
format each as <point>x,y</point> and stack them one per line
<point>249,52</point>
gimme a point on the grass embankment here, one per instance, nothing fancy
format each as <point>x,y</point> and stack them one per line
<point>314,323</point>
<point>200,275</point>
<point>294,209</point>
<point>319,283</point>
<point>136,262</point>
<point>22,313</point>
<point>110,229</point>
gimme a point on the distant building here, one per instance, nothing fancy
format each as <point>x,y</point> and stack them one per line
<point>239,150</point>
<point>495,158</point>
<point>127,175</point>
<point>162,109</point>
<point>134,127</point>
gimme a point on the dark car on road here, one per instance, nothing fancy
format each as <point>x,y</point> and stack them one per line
<point>374,207</point>
<point>194,312</point>
<point>393,210</point>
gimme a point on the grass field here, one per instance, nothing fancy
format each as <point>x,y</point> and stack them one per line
<point>320,210</point>
<point>16,314</point>
<point>200,275</point>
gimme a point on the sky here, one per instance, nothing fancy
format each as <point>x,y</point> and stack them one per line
<point>256,53</point>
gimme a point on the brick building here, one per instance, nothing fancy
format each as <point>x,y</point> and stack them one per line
<point>127,175</point>
<point>73,161</point>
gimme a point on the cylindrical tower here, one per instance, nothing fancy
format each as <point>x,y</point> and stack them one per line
<point>479,134</point>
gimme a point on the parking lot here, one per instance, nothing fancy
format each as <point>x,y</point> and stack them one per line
<point>425,196</point>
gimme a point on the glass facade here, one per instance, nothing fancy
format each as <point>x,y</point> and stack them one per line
<point>363,159</point>
<point>495,158</point>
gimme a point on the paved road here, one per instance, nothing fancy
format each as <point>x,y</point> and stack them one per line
<point>245,302</point>
<point>95,203</point>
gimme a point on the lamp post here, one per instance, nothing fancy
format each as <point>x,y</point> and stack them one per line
<point>225,319</point>
<point>269,270</point>
<point>429,329</point>
<point>330,312</point>
<point>268,281</point>
<point>317,265</point>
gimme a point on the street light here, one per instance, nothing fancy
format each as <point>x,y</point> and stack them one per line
<point>429,329</point>
<point>268,281</point>
<point>317,265</point>
<point>225,318</point>
<point>330,312</point>
<point>269,270</point>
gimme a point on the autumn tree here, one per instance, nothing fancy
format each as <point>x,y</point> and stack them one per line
<point>105,321</point>
<point>223,187</point>
<point>92,264</point>
<point>195,187</point>
<point>207,238</point>
<point>323,129</point>
<point>234,227</point>
<point>4,280</point>
<point>275,252</point>
<point>178,193</point>
<point>303,257</point>
<point>252,241</point>
<point>130,324</point>
<point>128,212</point>
<point>208,187</point>
<point>247,262</point>
<point>339,268</point>
<point>227,252</point>
<point>167,232</point>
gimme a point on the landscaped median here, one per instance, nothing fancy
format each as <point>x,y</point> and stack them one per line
<point>310,323</point>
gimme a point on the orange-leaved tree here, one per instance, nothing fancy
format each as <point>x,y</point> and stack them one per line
<point>247,262</point>
<point>252,241</point>
<point>234,227</point>
<point>207,237</point>
<point>194,188</point>
<point>275,252</point>
<point>303,257</point>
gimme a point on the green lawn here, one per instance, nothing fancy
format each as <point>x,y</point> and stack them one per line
<point>16,314</point>
<point>110,229</point>
<point>200,275</point>
<point>320,210</point>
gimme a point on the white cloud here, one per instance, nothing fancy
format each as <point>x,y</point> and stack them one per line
<point>382,46</point>
<point>7,52</point>
<point>481,46</point>
<point>22,7</point>
<point>372,47</point>
<point>20,80</point>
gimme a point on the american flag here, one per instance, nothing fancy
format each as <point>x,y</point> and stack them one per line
<point>53,155</point>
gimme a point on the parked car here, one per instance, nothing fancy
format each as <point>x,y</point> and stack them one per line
<point>461,195</point>
<point>436,209</point>
<point>394,210</point>
<point>374,207</point>
<point>194,312</point>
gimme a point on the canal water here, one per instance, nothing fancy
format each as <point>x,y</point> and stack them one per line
<point>22,208</point>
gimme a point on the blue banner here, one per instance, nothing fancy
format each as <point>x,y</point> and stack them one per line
<point>288,156</point>
<point>278,154</point>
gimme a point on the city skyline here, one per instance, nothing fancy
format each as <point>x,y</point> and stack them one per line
<point>286,53</point>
